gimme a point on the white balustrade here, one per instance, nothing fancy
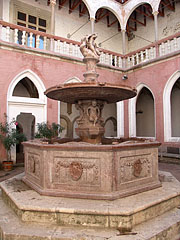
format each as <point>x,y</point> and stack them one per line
<point>70,49</point>
<point>31,39</point>
<point>8,34</point>
<point>142,56</point>
<point>36,40</point>
<point>15,35</point>
<point>45,43</point>
<point>115,61</point>
<point>178,43</point>
<point>133,60</point>
<point>110,60</point>
<point>137,58</point>
<point>146,55</point>
<point>151,53</point>
<point>24,38</point>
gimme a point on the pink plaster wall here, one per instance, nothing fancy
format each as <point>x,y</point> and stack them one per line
<point>54,71</point>
<point>155,78</point>
<point>50,71</point>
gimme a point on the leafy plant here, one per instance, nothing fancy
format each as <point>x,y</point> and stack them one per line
<point>48,131</point>
<point>9,135</point>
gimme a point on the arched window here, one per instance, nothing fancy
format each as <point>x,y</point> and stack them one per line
<point>25,88</point>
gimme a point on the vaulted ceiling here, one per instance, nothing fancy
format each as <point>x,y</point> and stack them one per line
<point>138,17</point>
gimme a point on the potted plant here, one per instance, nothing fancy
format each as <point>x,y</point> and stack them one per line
<point>48,132</point>
<point>9,137</point>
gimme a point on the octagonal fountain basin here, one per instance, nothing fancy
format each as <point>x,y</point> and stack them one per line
<point>111,170</point>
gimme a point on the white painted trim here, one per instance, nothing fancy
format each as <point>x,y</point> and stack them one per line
<point>132,111</point>
<point>132,117</point>
<point>59,112</point>
<point>167,108</point>
<point>120,119</point>
<point>42,100</point>
<point>34,78</point>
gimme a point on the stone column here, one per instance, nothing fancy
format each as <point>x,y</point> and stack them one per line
<point>1,16</point>
<point>92,25</point>
<point>156,25</point>
<point>1,9</point>
<point>53,3</point>
<point>120,119</point>
<point>123,46</point>
<point>123,41</point>
<point>156,31</point>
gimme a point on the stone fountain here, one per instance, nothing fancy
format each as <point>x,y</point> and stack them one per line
<point>92,168</point>
<point>91,182</point>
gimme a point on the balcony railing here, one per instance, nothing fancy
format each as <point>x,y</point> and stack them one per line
<point>161,48</point>
<point>46,42</point>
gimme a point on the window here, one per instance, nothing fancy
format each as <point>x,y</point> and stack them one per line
<point>32,22</point>
<point>31,17</point>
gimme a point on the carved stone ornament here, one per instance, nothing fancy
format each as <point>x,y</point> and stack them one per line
<point>88,47</point>
<point>75,170</point>
<point>93,112</point>
<point>137,168</point>
<point>34,165</point>
<point>53,2</point>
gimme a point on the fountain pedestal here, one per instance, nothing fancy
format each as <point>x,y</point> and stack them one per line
<point>90,122</point>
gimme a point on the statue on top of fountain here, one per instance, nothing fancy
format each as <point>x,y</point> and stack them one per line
<point>89,48</point>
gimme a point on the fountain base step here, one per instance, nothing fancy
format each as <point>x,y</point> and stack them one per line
<point>37,216</point>
<point>126,213</point>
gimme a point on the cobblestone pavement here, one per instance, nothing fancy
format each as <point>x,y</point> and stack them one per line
<point>163,166</point>
<point>8,174</point>
<point>174,169</point>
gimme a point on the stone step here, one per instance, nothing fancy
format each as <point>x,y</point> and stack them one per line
<point>125,212</point>
<point>164,227</point>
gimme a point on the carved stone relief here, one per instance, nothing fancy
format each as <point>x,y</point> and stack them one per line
<point>137,168</point>
<point>134,168</point>
<point>34,164</point>
<point>75,170</point>
<point>68,170</point>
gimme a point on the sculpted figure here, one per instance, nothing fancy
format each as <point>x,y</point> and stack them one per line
<point>88,46</point>
<point>93,112</point>
<point>81,110</point>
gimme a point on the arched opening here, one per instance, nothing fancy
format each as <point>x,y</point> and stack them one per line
<point>26,125</point>
<point>109,114</point>
<point>138,22</point>
<point>175,109</point>
<point>145,119</point>
<point>25,88</point>
<point>110,127</point>
<point>110,30</point>
<point>168,10</point>
<point>27,104</point>
<point>67,127</point>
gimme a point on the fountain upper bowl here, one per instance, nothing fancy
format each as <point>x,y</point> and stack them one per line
<point>73,92</point>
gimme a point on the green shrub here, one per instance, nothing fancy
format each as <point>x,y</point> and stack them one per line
<point>48,131</point>
<point>9,135</point>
